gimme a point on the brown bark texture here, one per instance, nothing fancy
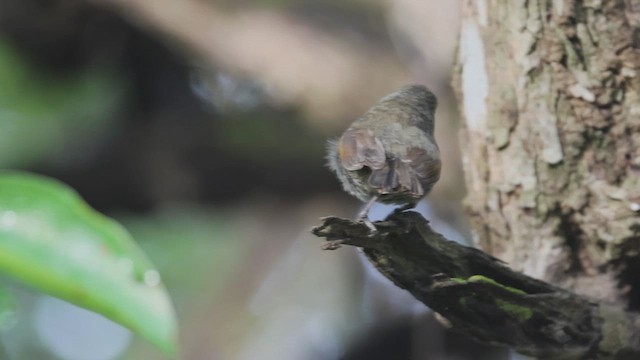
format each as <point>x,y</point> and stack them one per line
<point>550,92</point>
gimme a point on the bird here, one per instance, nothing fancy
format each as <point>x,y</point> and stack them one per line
<point>389,154</point>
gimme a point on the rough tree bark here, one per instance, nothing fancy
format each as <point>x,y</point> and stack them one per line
<point>550,92</point>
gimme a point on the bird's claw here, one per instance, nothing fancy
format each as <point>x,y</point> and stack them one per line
<point>403,208</point>
<point>372,228</point>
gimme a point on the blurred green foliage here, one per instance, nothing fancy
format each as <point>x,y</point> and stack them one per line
<point>192,236</point>
<point>200,253</point>
<point>271,138</point>
<point>42,115</point>
<point>52,240</point>
<point>8,308</point>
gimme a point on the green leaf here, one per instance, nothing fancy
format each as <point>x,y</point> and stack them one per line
<point>52,240</point>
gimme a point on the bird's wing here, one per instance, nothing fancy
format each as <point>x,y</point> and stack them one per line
<point>424,166</point>
<point>358,148</point>
<point>414,174</point>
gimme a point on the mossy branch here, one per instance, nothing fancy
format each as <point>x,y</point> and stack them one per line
<point>480,296</point>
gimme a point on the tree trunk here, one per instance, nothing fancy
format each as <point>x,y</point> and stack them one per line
<point>550,94</point>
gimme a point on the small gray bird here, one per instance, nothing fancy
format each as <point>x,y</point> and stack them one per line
<point>389,154</point>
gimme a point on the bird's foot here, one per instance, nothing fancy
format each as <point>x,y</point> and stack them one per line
<point>402,209</point>
<point>365,220</point>
<point>363,216</point>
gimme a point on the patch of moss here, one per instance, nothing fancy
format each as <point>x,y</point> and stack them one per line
<point>458,280</point>
<point>521,313</point>
<point>481,278</point>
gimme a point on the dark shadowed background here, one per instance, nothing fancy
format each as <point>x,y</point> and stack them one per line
<point>201,126</point>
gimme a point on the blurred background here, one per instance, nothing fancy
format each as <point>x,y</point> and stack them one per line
<point>201,126</point>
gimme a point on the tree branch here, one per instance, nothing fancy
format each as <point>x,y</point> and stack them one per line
<point>485,299</point>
